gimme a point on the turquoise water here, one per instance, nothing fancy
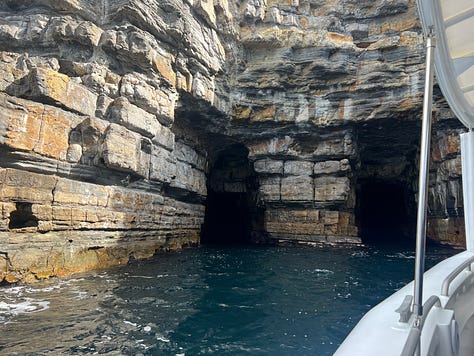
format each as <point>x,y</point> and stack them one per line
<point>259,300</point>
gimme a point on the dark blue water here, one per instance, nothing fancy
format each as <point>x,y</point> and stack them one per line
<point>208,301</point>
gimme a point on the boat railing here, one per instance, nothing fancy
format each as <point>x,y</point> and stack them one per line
<point>412,344</point>
<point>450,277</point>
<point>429,304</point>
<point>413,340</point>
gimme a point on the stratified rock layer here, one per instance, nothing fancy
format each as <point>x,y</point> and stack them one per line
<point>115,118</point>
<point>94,174</point>
<point>330,93</point>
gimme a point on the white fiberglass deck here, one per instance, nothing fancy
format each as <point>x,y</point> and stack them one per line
<point>379,332</point>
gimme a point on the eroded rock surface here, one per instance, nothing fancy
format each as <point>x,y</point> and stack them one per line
<point>114,116</point>
<point>93,171</point>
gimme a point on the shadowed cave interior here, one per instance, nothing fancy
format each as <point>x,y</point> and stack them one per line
<point>385,207</point>
<point>232,213</point>
<point>385,187</point>
<point>386,178</point>
<point>385,211</point>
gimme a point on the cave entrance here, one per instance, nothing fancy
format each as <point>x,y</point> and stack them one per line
<point>386,178</point>
<point>232,213</point>
<point>386,211</point>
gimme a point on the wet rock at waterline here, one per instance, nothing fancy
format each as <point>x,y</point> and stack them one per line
<point>121,123</point>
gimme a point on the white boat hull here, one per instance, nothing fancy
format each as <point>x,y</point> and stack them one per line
<point>379,332</point>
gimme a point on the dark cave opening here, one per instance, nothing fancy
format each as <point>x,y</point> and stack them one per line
<point>386,211</point>
<point>232,213</point>
<point>227,219</point>
<point>386,178</point>
<point>22,217</point>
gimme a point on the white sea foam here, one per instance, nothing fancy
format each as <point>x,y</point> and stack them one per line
<point>47,289</point>
<point>81,295</point>
<point>322,271</point>
<point>402,255</point>
<point>14,290</point>
<point>162,338</point>
<point>360,254</point>
<point>27,306</point>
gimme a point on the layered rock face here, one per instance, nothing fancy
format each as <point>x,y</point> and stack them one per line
<point>95,169</point>
<point>331,94</point>
<point>123,122</point>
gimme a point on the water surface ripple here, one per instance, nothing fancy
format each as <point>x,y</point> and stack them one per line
<point>211,300</point>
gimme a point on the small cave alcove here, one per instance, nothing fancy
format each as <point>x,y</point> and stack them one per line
<point>23,216</point>
<point>386,211</point>
<point>232,213</point>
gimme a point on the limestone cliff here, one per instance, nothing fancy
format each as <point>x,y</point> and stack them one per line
<point>122,122</point>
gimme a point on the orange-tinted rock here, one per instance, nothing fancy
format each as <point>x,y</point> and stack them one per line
<point>35,127</point>
<point>264,114</point>
<point>163,63</point>
<point>446,145</point>
<point>448,231</point>
<point>339,39</point>
<point>51,85</point>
